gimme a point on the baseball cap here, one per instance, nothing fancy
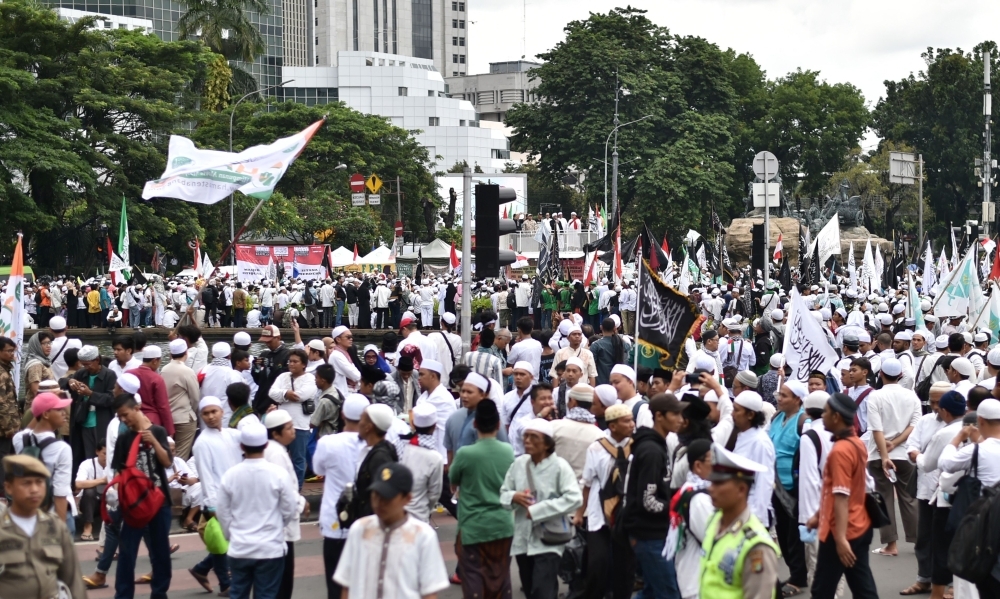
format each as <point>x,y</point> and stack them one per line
<point>44,402</point>
<point>393,480</point>
<point>270,331</point>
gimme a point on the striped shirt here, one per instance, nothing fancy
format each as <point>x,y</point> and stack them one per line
<point>486,364</point>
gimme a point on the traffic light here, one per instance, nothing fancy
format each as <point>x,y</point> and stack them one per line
<point>489,228</point>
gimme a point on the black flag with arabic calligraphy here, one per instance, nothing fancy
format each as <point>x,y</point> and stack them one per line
<point>664,321</point>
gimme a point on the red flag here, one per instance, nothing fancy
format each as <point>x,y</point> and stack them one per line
<point>777,249</point>
<point>590,272</point>
<point>665,246</point>
<point>505,212</point>
<point>454,257</point>
<point>115,277</point>
<point>654,261</point>
<point>197,255</point>
<point>618,254</point>
<point>355,253</point>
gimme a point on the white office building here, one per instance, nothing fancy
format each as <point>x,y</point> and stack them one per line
<point>411,93</point>
<point>106,21</point>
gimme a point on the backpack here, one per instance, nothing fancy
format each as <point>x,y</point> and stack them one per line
<point>511,300</point>
<point>139,498</point>
<point>33,447</point>
<point>38,298</point>
<point>307,297</point>
<point>976,544</point>
<point>613,491</point>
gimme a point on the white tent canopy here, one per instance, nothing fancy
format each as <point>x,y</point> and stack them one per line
<point>378,256</point>
<point>435,250</point>
<point>342,257</point>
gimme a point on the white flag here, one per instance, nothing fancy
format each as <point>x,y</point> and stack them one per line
<point>207,176</point>
<point>851,268</point>
<point>829,240</point>
<point>806,348</point>
<point>206,267</point>
<point>954,246</point>
<point>868,281</point>
<point>928,280</point>
<point>879,266</point>
<point>117,264</point>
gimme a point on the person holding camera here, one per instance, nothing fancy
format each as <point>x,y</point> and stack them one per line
<point>295,392</point>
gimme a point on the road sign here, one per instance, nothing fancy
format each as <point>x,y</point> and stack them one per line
<point>357,199</point>
<point>399,228</point>
<point>357,183</point>
<point>902,168</point>
<point>374,199</point>
<point>373,184</point>
<point>765,165</point>
<point>773,191</point>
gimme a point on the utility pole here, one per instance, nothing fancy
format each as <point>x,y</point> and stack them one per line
<point>466,310</point>
<point>987,182</point>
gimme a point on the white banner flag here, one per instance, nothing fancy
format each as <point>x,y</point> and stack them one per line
<point>117,264</point>
<point>207,176</point>
<point>829,240</point>
<point>806,346</point>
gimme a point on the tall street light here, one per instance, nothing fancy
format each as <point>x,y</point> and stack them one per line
<point>615,167</point>
<point>232,228</point>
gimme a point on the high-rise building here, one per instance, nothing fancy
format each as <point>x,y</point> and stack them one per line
<point>432,29</point>
<point>494,93</point>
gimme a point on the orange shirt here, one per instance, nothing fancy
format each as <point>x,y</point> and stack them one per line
<point>844,474</point>
<point>46,300</point>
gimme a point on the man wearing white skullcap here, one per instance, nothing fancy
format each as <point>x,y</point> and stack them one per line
<point>217,449</point>
<point>577,430</point>
<point>447,344</point>
<point>516,402</point>
<point>623,380</point>
<point>218,375</point>
<point>92,388</point>
<point>183,393</point>
<point>438,396</point>
<point>423,460</point>
<point>60,343</point>
<point>575,349</point>
<point>753,443</point>
<point>336,460</point>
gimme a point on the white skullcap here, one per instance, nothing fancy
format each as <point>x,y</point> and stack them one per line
<point>776,360</point>
<point>525,366</point>
<point>607,394</point>
<point>798,388</point>
<point>705,363</point>
<point>981,337</point>
<point>88,353</point>
<point>337,332</point>
<point>221,350</point>
<point>750,400</point>
<point>816,400</point>
<point>962,365</point>
<point>994,357</point>
<point>941,342</point>
<point>884,319</point>
<point>178,347</point>
<point>565,326</point>
<point>574,361</point>
<point>989,409</point>
<point>432,365</point>
<point>354,406</point>
<point>57,323</point>
<point>864,337</point>
<point>777,315</point>
<point>253,435</point>
<point>574,328</point>
<point>381,416</point>
<point>898,308</point>
<point>209,401</point>
<point>624,370</point>
<point>276,418</point>
<point>242,338</point>
<point>616,318</point>
<point>903,336</point>
<point>448,317</point>
<point>424,415</point>
<point>844,364</point>
<point>477,380</point>
<point>151,352</point>
<point>129,382</point>
<point>539,425</point>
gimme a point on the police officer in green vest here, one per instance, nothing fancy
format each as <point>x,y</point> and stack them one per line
<point>740,561</point>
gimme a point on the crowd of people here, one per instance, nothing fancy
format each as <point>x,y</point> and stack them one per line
<point>549,445</point>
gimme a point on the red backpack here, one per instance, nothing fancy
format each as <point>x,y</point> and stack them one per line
<point>139,498</point>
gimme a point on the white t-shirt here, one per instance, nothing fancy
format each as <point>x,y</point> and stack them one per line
<point>890,410</point>
<point>26,524</point>
<point>528,350</point>
<point>335,459</point>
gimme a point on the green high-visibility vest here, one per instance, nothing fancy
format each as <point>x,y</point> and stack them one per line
<point>722,560</point>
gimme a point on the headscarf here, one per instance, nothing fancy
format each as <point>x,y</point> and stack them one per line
<point>379,360</point>
<point>34,353</point>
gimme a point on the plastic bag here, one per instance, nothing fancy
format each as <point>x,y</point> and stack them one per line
<point>215,541</point>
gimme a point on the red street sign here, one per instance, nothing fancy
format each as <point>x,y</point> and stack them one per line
<point>399,228</point>
<point>357,183</point>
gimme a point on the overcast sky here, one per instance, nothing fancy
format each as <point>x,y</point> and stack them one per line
<point>863,42</point>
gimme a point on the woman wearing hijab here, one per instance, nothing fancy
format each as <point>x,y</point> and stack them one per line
<point>372,358</point>
<point>36,365</point>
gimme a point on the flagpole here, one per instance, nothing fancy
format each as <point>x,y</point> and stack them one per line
<point>986,307</point>
<point>638,311</point>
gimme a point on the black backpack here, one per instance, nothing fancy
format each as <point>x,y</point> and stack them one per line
<point>511,300</point>
<point>307,297</point>
<point>976,544</point>
<point>34,447</point>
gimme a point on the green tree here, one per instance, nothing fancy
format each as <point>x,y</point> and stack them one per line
<point>811,127</point>
<point>938,112</point>
<point>85,116</point>
<point>225,27</point>
<point>314,202</point>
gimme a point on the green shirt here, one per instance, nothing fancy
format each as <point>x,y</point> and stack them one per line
<point>91,421</point>
<point>548,300</point>
<point>565,299</point>
<point>479,469</point>
<point>594,297</point>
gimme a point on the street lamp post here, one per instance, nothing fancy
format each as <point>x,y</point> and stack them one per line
<point>232,227</point>
<point>614,195</point>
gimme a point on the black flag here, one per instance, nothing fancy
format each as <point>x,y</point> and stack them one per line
<point>785,274</point>
<point>815,268</point>
<point>664,321</point>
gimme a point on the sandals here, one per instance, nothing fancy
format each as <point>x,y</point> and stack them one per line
<point>881,551</point>
<point>144,579</point>
<point>916,588</point>
<point>87,537</point>
<point>174,548</point>
<point>92,585</point>
<point>191,527</point>
<point>790,590</point>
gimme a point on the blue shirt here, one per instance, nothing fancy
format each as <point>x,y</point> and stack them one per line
<point>459,431</point>
<point>785,436</point>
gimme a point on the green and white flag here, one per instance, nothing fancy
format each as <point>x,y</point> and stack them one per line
<point>123,254</point>
<point>991,319</point>
<point>913,302</point>
<point>962,296</point>
<point>207,176</point>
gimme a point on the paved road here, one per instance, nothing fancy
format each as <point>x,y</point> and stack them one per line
<point>891,573</point>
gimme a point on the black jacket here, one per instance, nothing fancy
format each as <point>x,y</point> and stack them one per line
<point>102,399</point>
<point>380,454</point>
<point>266,370</point>
<point>646,513</point>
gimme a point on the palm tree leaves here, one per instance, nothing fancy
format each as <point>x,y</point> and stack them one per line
<point>225,26</point>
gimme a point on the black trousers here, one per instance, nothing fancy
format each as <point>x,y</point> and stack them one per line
<point>610,565</point>
<point>539,575</point>
<point>990,588</point>
<point>445,498</point>
<point>332,548</point>
<point>792,550</point>
<point>90,503</point>
<point>382,318</point>
<point>940,546</point>
<point>288,574</point>
<point>923,547</point>
<point>829,569</point>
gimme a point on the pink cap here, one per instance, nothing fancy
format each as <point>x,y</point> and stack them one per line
<point>44,402</point>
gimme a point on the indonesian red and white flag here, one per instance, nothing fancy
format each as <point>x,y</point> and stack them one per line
<point>988,245</point>
<point>454,258</point>
<point>355,253</point>
<point>619,274</point>
<point>777,249</point>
